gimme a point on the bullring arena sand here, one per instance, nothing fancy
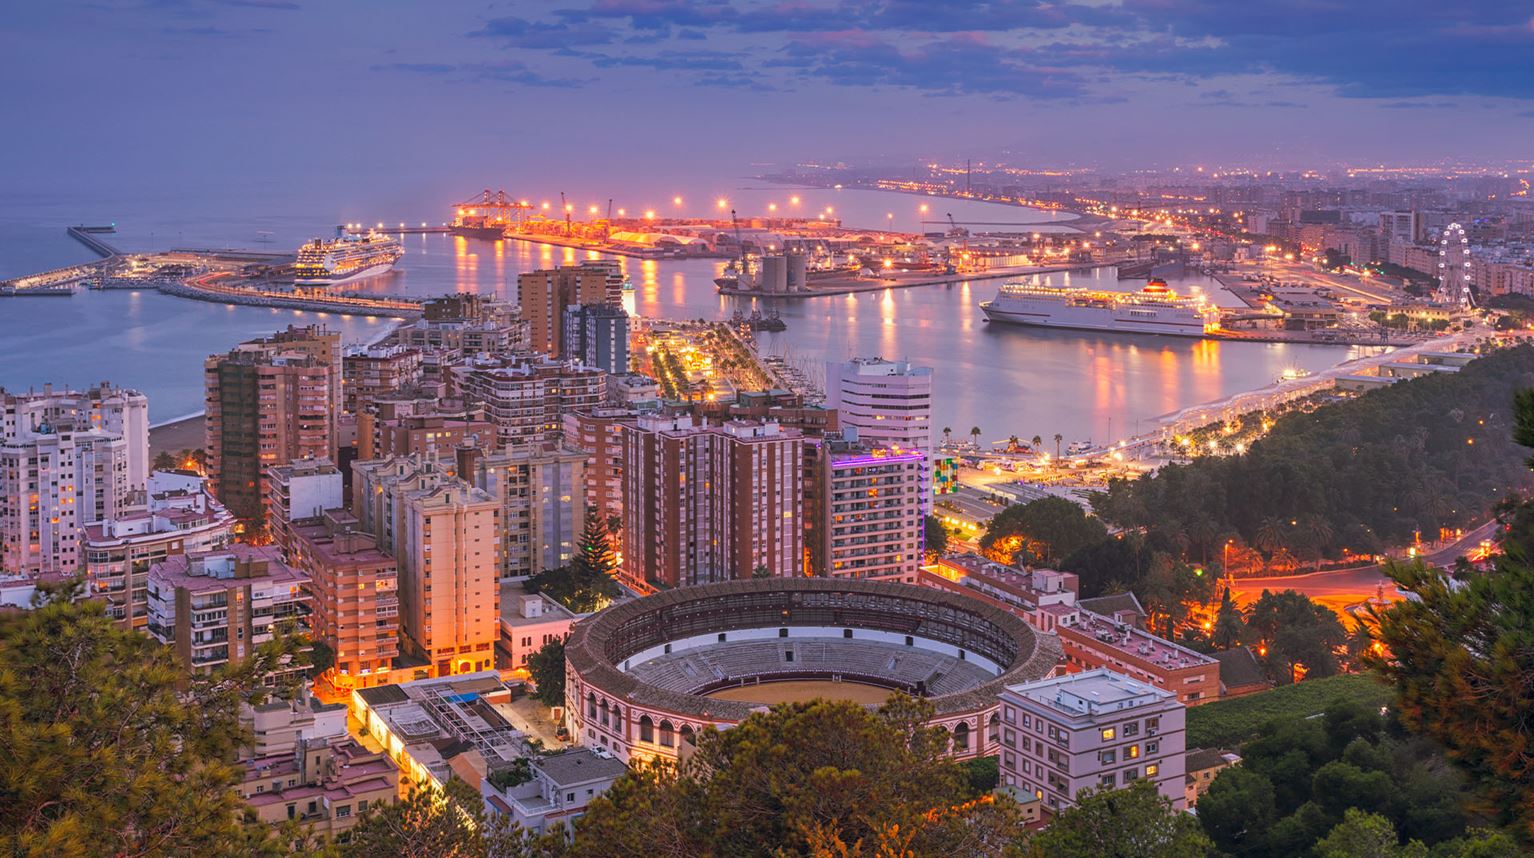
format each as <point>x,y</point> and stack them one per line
<point>800,690</point>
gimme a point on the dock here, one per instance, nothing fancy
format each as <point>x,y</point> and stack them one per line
<point>850,285</point>
<point>65,281</point>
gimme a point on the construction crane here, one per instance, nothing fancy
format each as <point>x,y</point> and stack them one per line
<point>739,244</point>
<point>569,230</point>
<point>607,229</point>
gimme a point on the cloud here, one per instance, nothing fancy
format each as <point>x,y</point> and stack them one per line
<point>1385,49</point>
<point>956,64</point>
<point>508,71</point>
<point>522,33</point>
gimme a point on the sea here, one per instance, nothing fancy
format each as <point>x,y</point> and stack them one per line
<point>1004,380</point>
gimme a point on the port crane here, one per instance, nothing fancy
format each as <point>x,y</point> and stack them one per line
<point>495,208</point>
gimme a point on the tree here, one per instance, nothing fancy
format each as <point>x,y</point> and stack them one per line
<point>596,556</point>
<point>935,534</point>
<point>974,435</point>
<point>822,777</point>
<point>1042,531</point>
<point>1238,810</point>
<point>1135,822</point>
<point>1229,623</point>
<point>1037,442</point>
<point>445,823</point>
<point>1366,835</point>
<point>1058,439</point>
<point>1460,656</point>
<point>547,667</point>
<point>110,748</point>
<point>164,461</point>
<point>1297,632</point>
<point>585,585</point>
<point>947,435</point>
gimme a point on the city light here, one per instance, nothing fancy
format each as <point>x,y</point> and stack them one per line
<point>722,203</point>
<point>676,201</point>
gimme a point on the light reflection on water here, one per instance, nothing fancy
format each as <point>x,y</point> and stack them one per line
<point>1007,380</point>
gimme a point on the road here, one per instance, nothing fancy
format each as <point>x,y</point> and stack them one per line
<point>1339,589</point>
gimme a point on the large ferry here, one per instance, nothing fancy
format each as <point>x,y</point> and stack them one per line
<point>1156,309</point>
<point>345,258</point>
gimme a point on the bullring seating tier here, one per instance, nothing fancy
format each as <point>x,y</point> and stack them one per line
<point>723,664</point>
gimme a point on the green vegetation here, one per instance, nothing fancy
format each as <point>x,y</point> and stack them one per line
<point>1044,531</point>
<point>935,536</point>
<point>446,823</point>
<point>1419,455</point>
<point>1136,822</point>
<point>107,747</point>
<point>1228,723</point>
<point>547,667</point>
<point>1460,657</point>
<point>585,585</point>
<point>1299,778</point>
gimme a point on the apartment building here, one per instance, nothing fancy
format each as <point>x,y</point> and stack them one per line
<point>705,503</point>
<point>527,398</point>
<point>1091,730</point>
<point>354,588</point>
<point>270,401</point>
<point>214,608</point>
<point>864,510</point>
<point>180,518</point>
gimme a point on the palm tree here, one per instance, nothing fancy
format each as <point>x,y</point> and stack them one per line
<point>1037,442</point>
<point>1058,439</point>
<point>974,434</point>
<point>947,435</point>
<point>1269,537</point>
<point>1320,536</point>
<point>1013,443</point>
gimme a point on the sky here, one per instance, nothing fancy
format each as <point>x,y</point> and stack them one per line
<point>387,101</point>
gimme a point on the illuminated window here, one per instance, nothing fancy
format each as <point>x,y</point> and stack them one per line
<point>1108,734</point>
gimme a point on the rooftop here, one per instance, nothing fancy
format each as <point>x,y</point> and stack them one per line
<point>579,766</point>
<point>1092,692</point>
<point>1137,643</point>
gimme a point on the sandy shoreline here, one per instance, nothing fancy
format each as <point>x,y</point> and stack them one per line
<point>178,435</point>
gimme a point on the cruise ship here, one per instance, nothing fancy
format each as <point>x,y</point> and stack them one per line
<point>1155,309</point>
<point>345,258</point>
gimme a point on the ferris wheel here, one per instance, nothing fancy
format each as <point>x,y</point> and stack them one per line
<point>1454,274</point>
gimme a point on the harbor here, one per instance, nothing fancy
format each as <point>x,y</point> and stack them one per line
<point>1098,385</point>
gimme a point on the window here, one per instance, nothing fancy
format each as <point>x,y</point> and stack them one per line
<point>1106,782</point>
<point>1152,725</point>
<point>667,734</point>
<point>1131,729</point>
<point>782,633</point>
<point>1109,734</point>
<point>1132,752</point>
<point>646,729</point>
<point>1152,747</point>
<point>1152,770</point>
<point>362,806</point>
<point>788,655</point>
<point>1107,757</point>
<point>343,811</point>
<point>846,633</point>
<point>1131,775</point>
<point>721,637</point>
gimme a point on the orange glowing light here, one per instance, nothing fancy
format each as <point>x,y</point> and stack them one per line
<point>676,201</point>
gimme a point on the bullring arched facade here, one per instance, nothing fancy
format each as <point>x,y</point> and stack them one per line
<point>846,623</point>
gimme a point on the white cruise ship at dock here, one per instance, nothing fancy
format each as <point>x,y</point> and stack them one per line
<point>1155,309</point>
<point>345,258</point>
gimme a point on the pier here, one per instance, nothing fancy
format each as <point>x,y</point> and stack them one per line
<point>66,280</point>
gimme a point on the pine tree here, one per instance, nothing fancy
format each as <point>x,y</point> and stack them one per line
<point>596,557</point>
<point>107,747</point>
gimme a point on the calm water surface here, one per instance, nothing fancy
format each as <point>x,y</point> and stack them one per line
<point>1006,380</point>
